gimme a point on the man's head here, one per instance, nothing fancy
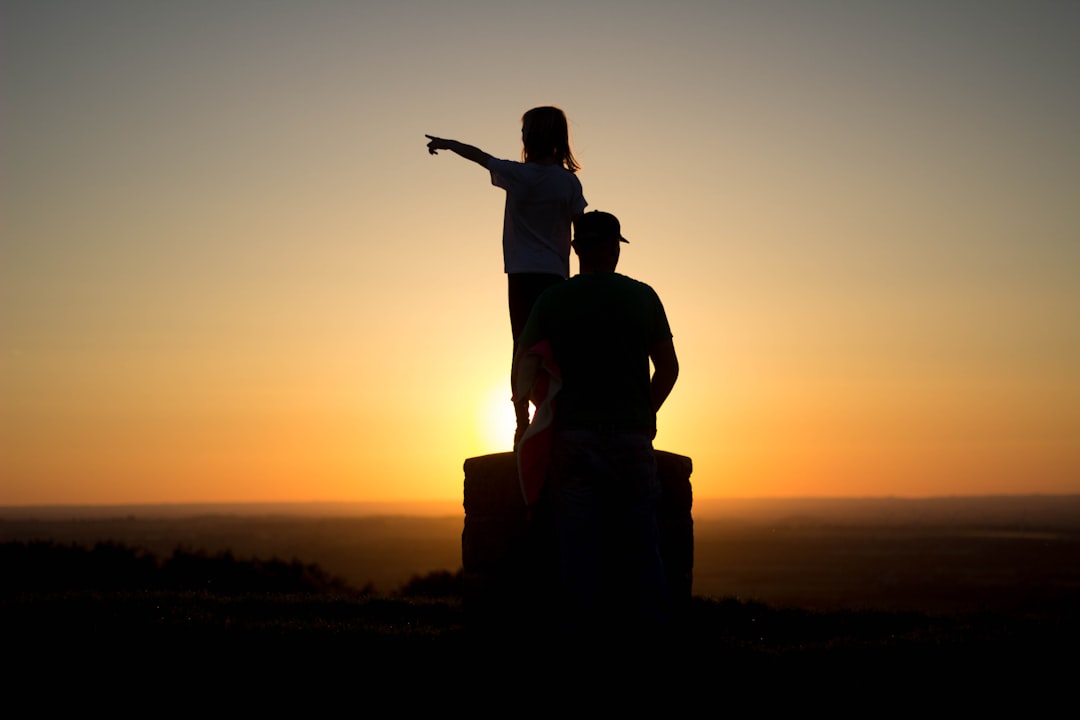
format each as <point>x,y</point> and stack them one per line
<point>597,240</point>
<point>597,225</point>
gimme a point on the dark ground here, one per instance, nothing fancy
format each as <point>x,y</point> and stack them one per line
<point>382,642</point>
<point>821,613</point>
<point>424,639</point>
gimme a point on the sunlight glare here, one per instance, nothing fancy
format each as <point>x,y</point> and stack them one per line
<point>495,422</point>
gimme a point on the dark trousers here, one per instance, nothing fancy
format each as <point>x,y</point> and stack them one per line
<point>522,291</point>
<point>604,492</point>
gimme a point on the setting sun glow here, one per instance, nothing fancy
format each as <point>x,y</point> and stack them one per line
<point>496,420</point>
<point>231,271</point>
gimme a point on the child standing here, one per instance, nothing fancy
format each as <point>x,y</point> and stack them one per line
<point>543,197</point>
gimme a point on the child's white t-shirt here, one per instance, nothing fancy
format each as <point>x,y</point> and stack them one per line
<point>541,203</point>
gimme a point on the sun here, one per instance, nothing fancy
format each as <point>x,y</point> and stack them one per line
<point>495,422</point>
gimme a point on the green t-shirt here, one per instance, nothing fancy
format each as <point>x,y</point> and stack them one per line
<point>601,326</point>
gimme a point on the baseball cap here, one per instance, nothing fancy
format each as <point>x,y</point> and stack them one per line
<point>597,225</point>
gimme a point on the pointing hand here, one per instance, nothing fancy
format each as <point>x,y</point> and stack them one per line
<point>436,144</point>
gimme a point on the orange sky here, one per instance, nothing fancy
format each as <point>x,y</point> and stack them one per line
<point>230,271</point>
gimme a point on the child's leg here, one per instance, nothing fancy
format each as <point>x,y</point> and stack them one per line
<point>522,291</point>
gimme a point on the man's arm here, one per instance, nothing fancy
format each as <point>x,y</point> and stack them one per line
<point>468,152</point>
<point>665,371</point>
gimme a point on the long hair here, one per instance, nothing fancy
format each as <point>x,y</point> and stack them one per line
<point>545,134</point>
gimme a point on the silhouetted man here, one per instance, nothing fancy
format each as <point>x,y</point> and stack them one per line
<point>601,330</point>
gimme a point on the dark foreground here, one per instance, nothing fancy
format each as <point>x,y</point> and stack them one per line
<point>955,614</point>
<point>201,646</point>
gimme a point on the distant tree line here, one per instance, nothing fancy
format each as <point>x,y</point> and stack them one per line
<point>45,566</point>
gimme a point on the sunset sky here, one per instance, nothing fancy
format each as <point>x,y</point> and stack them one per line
<point>230,270</point>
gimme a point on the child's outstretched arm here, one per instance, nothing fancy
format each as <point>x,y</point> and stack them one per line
<point>468,152</point>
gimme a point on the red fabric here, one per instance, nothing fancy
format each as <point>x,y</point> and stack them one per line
<point>533,450</point>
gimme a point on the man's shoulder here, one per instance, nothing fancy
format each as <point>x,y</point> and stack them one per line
<point>587,287</point>
<point>635,284</point>
<point>606,278</point>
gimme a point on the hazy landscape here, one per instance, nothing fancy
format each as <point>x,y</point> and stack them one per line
<point>935,555</point>
<point>888,591</point>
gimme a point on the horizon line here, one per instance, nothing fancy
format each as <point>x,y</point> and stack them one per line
<point>445,508</point>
